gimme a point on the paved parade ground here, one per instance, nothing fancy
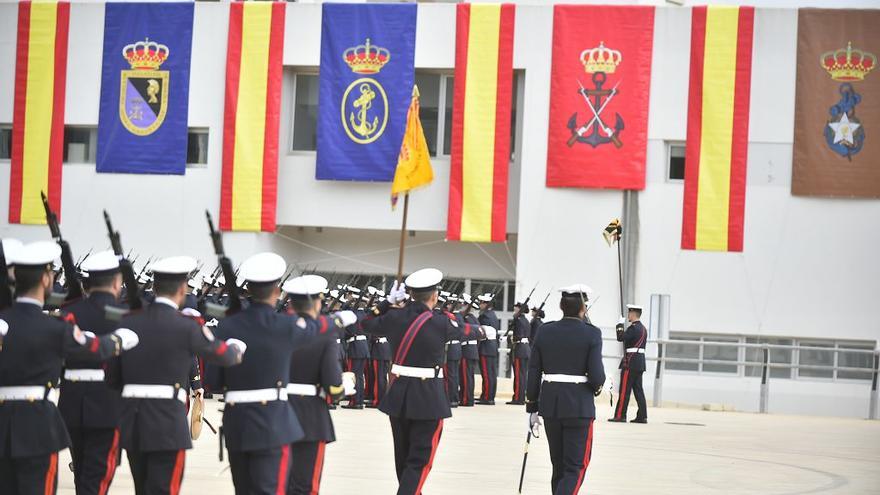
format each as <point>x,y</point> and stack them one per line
<point>680,452</point>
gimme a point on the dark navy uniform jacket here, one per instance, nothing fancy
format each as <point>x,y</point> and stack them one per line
<point>535,324</point>
<point>453,350</point>
<point>168,341</point>
<point>271,338</point>
<point>634,337</point>
<point>470,330</point>
<point>570,347</point>
<point>356,349</point>
<point>381,351</point>
<point>92,404</point>
<point>408,397</point>
<point>31,354</point>
<point>489,347</point>
<point>315,362</point>
<point>521,330</point>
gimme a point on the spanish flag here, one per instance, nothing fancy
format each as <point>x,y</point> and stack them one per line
<point>481,123</point>
<point>718,128</point>
<point>38,113</point>
<point>250,122</point>
<point>413,163</point>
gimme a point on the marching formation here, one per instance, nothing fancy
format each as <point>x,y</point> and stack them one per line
<point>131,353</point>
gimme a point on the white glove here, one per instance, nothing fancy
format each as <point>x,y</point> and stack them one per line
<point>241,345</point>
<point>348,381</point>
<point>90,334</point>
<point>4,328</point>
<point>397,294</point>
<point>347,317</point>
<point>535,424</point>
<point>129,338</point>
<point>192,313</point>
<point>621,321</point>
<point>490,331</point>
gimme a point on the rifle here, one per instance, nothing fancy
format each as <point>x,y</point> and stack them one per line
<point>132,289</point>
<point>226,267</point>
<point>541,307</point>
<point>74,287</point>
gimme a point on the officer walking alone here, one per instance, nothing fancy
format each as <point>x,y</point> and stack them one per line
<point>632,366</point>
<point>565,374</point>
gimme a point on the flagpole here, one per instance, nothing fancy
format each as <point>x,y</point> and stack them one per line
<point>402,238</point>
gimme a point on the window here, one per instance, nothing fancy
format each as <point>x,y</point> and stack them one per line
<point>429,107</point>
<point>305,112</point>
<point>197,147</point>
<point>447,115</point>
<point>80,144</point>
<point>675,158</point>
<point>720,353</point>
<point>815,357</point>
<point>778,356</point>
<point>855,360</point>
<point>5,141</point>
<point>683,351</point>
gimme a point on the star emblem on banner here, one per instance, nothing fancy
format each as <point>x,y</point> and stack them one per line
<point>844,130</point>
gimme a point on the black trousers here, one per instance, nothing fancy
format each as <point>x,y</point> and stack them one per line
<point>520,372</point>
<point>468,371</point>
<point>451,372</point>
<point>571,444</point>
<point>95,453</point>
<point>415,443</point>
<point>36,475</point>
<point>631,381</point>
<point>377,380</point>
<point>260,472</point>
<point>356,366</point>
<point>308,464</point>
<point>489,372</point>
<point>157,473</point>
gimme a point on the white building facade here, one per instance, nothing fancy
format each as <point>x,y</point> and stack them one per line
<point>808,274</point>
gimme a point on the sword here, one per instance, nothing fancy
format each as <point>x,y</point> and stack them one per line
<point>586,126</point>
<point>522,473</point>
<point>607,130</point>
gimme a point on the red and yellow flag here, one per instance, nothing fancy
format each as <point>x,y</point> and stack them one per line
<point>718,128</point>
<point>38,113</point>
<point>414,162</point>
<point>250,122</point>
<point>481,123</point>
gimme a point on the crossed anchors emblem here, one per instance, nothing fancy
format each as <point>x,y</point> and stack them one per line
<point>599,62</point>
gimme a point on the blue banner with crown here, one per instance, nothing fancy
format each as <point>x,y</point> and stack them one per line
<point>366,81</point>
<point>142,125</point>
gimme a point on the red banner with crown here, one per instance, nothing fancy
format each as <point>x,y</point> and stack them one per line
<point>599,87</point>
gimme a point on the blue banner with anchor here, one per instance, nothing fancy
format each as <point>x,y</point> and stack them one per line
<point>142,125</point>
<point>366,80</point>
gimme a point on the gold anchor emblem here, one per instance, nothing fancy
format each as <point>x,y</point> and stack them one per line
<point>362,126</point>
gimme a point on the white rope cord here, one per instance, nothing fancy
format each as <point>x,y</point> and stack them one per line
<point>503,268</point>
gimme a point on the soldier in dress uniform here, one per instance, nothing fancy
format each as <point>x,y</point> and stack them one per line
<point>416,399</point>
<point>632,366</point>
<point>33,347</point>
<point>453,358</point>
<point>380,365</point>
<point>314,374</point>
<point>259,423</point>
<point>520,353</point>
<point>155,376</point>
<point>470,336</point>
<point>90,405</point>
<point>491,326</point>
<point>358,349</point>
<point>565,374</point>
<point>537,320</point>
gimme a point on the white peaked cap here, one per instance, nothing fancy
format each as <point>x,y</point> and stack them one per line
<point>263,267</point>
<point>174,265</point>
<point>103,261</point>
<point>37,253</point>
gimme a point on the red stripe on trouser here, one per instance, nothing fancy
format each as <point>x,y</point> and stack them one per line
<point>516,378</point>
<point>319,467</point>
<point>484,375</point>
<point>621,399</point>
<point>588,450</point>
<point>281,487</point>
<point>111,464</point>
<point>435,441</point>
<point>375,383</point>
<point>465,395</point>
<point>51,471</point>
<point>177,474</point>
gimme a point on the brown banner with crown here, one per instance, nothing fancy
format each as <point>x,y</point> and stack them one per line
<point>837,107</point>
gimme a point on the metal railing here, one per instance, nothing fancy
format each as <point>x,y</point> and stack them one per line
<point>764,364</point>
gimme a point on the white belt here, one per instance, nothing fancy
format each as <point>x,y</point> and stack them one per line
<point>257,395</point>
<point>382,340</point>
<point>84,375</point>
<point>635,349</point>
<point>523,341</point>
<point>302,389</point>
<point>558,378</point>
<point>338,341</point>
<point>469,342</point>
<point>454,342</point>
<point>357,337</point>
<point>153,392</point>
<point>415,372</point>
<point>29,393</point>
